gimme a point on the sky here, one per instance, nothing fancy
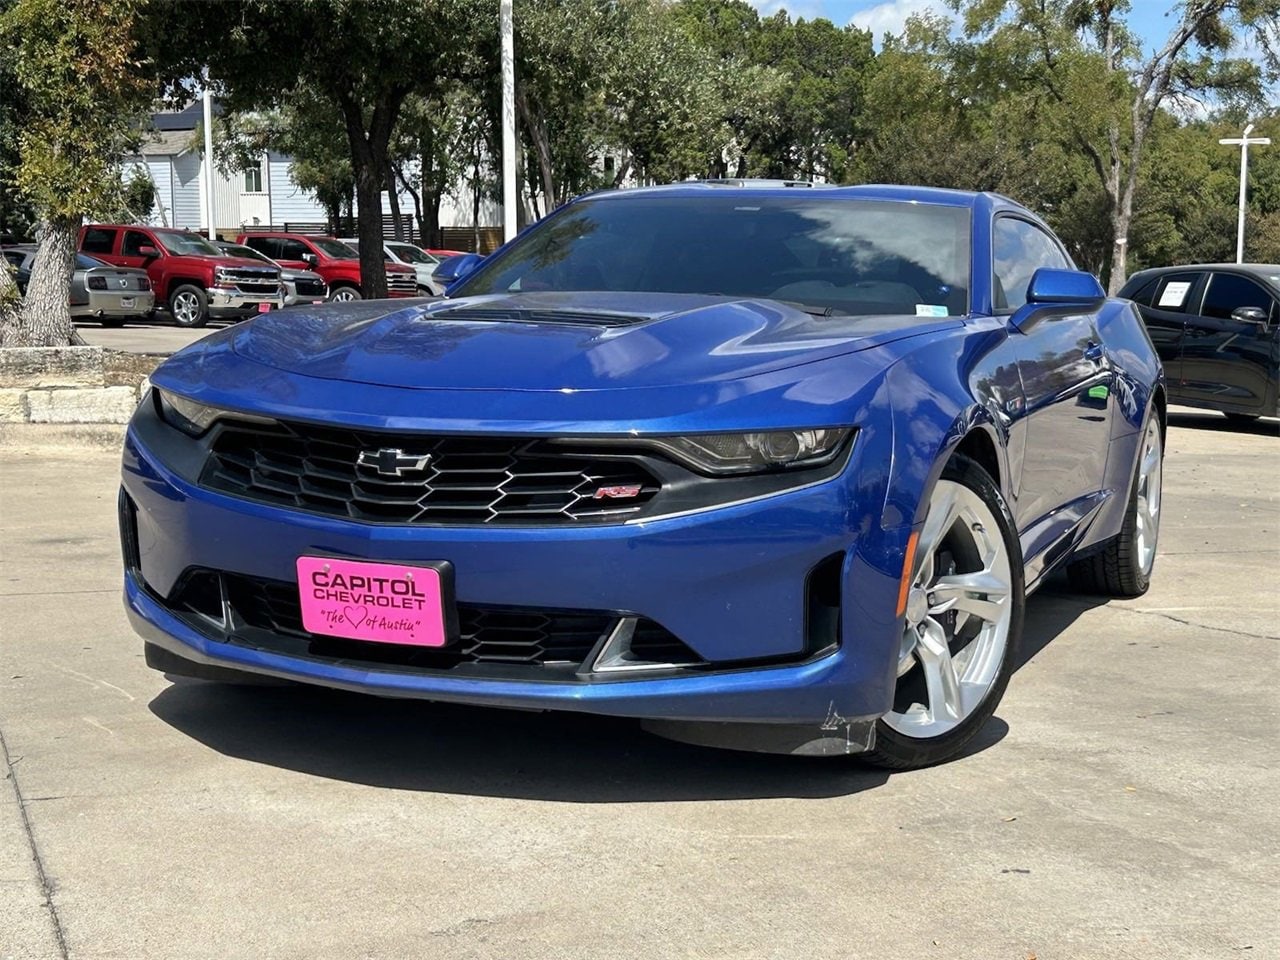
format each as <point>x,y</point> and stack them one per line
<point>1147,17</point>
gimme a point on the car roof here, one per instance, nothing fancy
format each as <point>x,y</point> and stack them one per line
<point>1263,269</point>
<point>794,188</point>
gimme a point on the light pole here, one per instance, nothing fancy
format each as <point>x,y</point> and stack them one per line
<point>1244,142</point>
<point>507,30</point>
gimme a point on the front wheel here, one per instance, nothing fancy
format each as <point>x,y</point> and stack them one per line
<point>963,622</point>
<point>189,306</point>
<point>345,295</point>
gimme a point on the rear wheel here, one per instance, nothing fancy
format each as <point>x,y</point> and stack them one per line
<point>963,622</point>
<point>345,294</point>
<point>1123,567</point>
<point>189,306</point>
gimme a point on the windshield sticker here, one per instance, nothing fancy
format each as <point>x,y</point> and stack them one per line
<point>930,310</point>
<point>1174,293</point>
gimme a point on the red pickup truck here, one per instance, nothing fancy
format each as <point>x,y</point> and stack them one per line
<point>332,259</point>
<point>189,274</point>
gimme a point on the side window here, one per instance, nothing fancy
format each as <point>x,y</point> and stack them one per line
<point>133,240</point>
<point>98,240</point>
<point>268,245</point>
<point>292,250</point>
<point>1227,292</point>
<point>1147,293</point>
<point>1173,292</point>
<point>1021,248</point>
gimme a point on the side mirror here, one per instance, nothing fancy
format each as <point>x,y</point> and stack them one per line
<point>311,260</point>
<point>455,268</point>
<point>1250,315</point>
<point>1054,292</point>
<point>146,250</point>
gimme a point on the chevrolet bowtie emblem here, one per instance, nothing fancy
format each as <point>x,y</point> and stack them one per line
<point>392,461</point>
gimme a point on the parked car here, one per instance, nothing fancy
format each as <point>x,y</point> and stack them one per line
<point>767,468</point>
<point>332,259</point>
<point>414,257</point>
<point>1216,327</point>
<point>188,273</point>
<point>300,286</point>
<point>99,291</point>
<point>444,254</point>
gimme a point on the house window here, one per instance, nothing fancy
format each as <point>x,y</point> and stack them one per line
<point>253,178</point>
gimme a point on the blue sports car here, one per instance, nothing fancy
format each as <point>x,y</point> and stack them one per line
<point>767,466</point>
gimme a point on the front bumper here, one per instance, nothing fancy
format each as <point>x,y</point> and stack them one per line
<point>224,302</point>
<point>730,582</point>
<point>112,304</point>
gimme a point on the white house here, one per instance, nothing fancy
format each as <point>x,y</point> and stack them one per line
<point>261,195</point>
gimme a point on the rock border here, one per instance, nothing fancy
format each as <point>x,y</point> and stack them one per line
<point>72,385</point>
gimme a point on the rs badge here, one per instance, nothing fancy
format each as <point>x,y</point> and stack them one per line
<point>621,492</point>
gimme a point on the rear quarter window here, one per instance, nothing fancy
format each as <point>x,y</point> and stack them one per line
<point>98,240</point>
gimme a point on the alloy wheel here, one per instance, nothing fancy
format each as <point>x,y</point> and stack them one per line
<point>959,610</point>
<point>186,309</point>
<point>343,294</point>
<point>1148,494</point>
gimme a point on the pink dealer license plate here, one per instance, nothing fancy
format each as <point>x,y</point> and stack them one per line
<point>378,602</point>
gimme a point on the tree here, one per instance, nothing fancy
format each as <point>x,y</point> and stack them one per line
<point>1087,60</point>
<point>361,59</point>
<point>85,87</point>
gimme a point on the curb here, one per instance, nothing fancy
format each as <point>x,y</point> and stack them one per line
<point>72,385</point>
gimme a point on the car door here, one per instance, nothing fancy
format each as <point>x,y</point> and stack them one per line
<point>1163,303</point>
<point>1066,380</point>
<point>130,250</point>
<point>1228,362</point>
<point>293,253</point>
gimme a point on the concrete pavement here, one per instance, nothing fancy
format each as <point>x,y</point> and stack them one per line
<point>1120,805</point>
<point>159,336</point>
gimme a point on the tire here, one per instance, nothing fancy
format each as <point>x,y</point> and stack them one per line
<point>189,306</point>
<point>1123,567</point>
<point>344,294</point>
<point>1241,419</point>
<point>959,649</point>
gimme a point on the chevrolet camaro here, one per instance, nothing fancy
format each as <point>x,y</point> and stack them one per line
<point>767,466</point>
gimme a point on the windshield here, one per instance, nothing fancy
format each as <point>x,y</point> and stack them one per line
<point>186,244</point>
<point>841,256</point>
<point>411,254</point>
<point>333,248</point>
<point>248,253</point>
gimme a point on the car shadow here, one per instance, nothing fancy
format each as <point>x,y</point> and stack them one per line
<point>448,748</point>
<point>1211,420</point>
<point>555,756</point>
<point>1050,611</point>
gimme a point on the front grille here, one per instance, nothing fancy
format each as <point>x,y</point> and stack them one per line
<point>402,282</point>
<point>309,288</point>
<point>521,315</point>
<point>267,614</point>
<point>258,289</point>
<point>441,480</point>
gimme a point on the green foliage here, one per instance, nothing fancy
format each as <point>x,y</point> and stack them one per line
<point>85,87</point>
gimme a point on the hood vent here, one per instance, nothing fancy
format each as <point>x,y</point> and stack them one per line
<point>571,318</point>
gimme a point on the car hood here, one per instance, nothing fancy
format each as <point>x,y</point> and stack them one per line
<point>291,274</point>
<point>559,341</point>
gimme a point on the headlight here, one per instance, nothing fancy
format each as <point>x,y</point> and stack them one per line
<point>194,418</point>
<point>728,453</point>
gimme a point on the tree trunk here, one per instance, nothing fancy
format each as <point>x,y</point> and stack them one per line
<point>541,146</point>
<point>46,310</point>
<point>393,200</point>
<point>10,311</point>
<point>373,272</point>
